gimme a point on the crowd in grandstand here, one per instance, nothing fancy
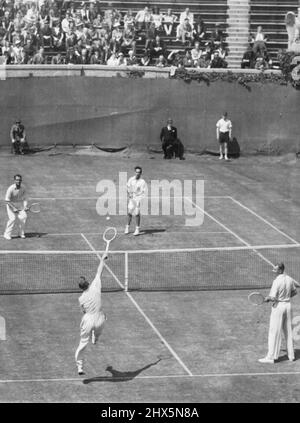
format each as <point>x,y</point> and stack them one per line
<point>64,32</point>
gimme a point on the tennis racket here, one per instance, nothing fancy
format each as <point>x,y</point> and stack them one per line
<point>108,235</point>
<point>256,298</point>
<point>34,208</point>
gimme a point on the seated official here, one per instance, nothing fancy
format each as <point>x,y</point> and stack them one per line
<point>18,138</point>
<point>171,145</point>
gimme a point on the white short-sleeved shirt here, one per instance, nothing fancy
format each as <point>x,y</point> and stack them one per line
<point>282,288</point>
<point>224,125</point>
<point>136,187</point>
<point>90,300</point>
<point>14,195</point>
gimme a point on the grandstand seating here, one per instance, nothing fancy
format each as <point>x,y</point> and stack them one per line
<point>270,15</point>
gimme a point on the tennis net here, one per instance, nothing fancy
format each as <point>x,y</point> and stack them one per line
<point>149,270</point>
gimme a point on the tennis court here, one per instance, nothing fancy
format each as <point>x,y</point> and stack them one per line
<point>184,330</point>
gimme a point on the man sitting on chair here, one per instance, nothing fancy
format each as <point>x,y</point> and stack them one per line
<point>18,138</point>
<point>171,145</point>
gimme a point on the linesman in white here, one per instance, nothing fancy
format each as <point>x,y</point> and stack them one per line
<point>136,188</point>
<point>16,206</point>
<point>224,128</point>
<point>282,290</point>
<point>93,316</point>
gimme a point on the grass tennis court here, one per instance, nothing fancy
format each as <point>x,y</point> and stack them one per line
<point>162,342</point>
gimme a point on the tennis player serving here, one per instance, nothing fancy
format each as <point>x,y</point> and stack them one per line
<point>93,316</point>
<point>282,290</point>
<point>136,188</point>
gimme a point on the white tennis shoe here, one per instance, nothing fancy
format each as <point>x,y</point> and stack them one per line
<point>266,360</point>
<point>126,230</point>
<point>22,235</point>
<point>137,231</point>
<point>7,237</point>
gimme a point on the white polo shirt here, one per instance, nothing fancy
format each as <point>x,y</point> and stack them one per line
<point>14,195</point>
<point>282,288</point>
<point>224,125</point>
<point>136,187</point>
<point>90,300</point>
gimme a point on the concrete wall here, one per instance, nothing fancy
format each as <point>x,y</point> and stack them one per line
<point>118,111</point>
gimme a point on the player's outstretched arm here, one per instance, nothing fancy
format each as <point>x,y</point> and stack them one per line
<point>101,265</point>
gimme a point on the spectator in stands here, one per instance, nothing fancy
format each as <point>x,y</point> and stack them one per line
<point>122,61</point>
<point>199,30</point>
<point>143,18</point>
<point>196,54</point>
<point>259,42</point>
<point>290,24</point>
<point>109,16</point>
<point>113,60</point>
<point>222,51</point>
<point>128,20</point>
<point>7,26</point>
<point>129,41</point>
<point>145,59</point>
<point>187,59</point>
<point>28,51</point>
<point>18,23</point>
<point>71,58</point>
<point>57,60</point>
<point>65,24</point>
<point>92,12</point>
<point>132,59</point>
<point>39,58</point>
<point>217,36</point>
<point>18,53</point>
<point>96,58</point>
<point>261,64</point>
<point>175,59</point>
<point>184,31</point>
<point>157,18</point>
<point>117,37</point>
<point>217,61</point>
<point>46,36</point>
<point>187,15</point>
<point>168,21</point>
<point>157,48</point>
<point>32,16</point>
<point>83,57</point>
<point>149,36</point>
<point>57,36</point>
<point>248,59</point>
<point>161,62</point>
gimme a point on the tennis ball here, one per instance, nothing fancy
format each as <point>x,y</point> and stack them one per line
<point>107,218</point>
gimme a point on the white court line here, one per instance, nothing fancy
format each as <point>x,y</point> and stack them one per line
<point>181,376</point>
<point>264,220</point>
<point>148,229</point>
<point>237,236</point>
<point>149,322</point>
<point>119,198</point>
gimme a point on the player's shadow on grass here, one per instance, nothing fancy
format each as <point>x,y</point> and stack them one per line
<point>35,234</point>
<point>285,357</point>
<point>151,231</point>
<point>117,376</point>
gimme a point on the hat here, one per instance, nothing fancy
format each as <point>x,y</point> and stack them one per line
<point>170,120</point>
<point>121,54</point>
<point>116,24</point>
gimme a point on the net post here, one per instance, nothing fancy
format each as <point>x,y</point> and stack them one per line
<point>126,272</point>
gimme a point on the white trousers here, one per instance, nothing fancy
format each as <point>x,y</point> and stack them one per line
<point>89,323</point>
<point>280,319</point>
<point>15,218</point>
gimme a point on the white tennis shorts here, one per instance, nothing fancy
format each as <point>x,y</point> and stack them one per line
<point>134,206</point>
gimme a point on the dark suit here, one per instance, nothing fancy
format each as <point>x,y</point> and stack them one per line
<point>171,145</point>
